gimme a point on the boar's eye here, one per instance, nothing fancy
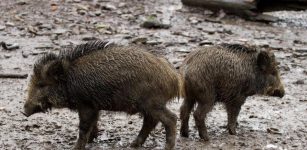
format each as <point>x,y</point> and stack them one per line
<point>41,85</point>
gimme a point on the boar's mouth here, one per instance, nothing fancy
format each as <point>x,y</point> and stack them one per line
<point>278,93</point>
<point>30,110</point>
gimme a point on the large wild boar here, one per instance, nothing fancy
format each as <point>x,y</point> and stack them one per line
<point>99,76</point>
<point>226,73</point>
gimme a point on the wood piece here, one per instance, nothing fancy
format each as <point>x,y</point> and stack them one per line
<point>13,76</point>
<point>222,4</point>
<point>250,9</point>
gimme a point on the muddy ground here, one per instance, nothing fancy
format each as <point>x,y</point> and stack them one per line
<point>39,26</point>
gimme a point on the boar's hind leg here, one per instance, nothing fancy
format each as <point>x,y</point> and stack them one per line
<point>233,110</point>
<point>200,116</point>
<point>168,119</point>
<point>149,123</point>
<point>185,111</point>
<point>88,120</point>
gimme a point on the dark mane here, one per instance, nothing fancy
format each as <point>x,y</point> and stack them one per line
<point>83,49</point>
<point>44,60</point>
<point>238,48</point>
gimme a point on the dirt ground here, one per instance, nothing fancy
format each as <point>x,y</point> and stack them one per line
<point>39,26</point>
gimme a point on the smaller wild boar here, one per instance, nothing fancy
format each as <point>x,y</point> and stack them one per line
<point>226,73</point>
<point>99,76</point>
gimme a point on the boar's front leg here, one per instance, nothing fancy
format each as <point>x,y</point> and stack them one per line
<point>233,109</point>
<point>94,134</point>
<point>88,120</point>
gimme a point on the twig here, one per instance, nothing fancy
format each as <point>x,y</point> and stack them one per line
<point>14,76</point>
<point>9,46</point>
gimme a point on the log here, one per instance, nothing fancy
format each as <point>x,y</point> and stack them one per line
<point>249,9</point>
<point>13,76</point>
<point>223,4</point>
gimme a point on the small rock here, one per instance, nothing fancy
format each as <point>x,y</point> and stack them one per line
<point>10,24</point>
<point>301,81</point>
<point>139,40</point>
<point>271,146</point>
<point>24,54</point>
<point>153,23</point>
<point>81,12</point>
<point>153,42</point>
<point>2,109</point>
<point>301,50</point>
<point>46,26</point>
<point>209,30</point>
<point>82,7</point>
<point>21,2</point>
<point>299,42</point>
<point>120,5</point>
<point>108,7</point>
<point>285,68</point>
<point>265,99</point>
<point>2,28</point>
<point>32,29</point>
<point>213,20</point>
<point>44,46</point>
<point>205,42</point>
<point>59,31</point>
<point>9,46</point>
<point>97,13</point>
<point>7,56</point>
<point>89,38</point>
<point>193,20</point>
<point>253,116</point>
<point>273,131</point>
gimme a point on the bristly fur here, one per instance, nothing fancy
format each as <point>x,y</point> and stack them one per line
<point>84,49</point>
<point>44,60</point>
<point>238,48</point>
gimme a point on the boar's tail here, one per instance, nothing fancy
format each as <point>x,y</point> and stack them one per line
<point>181,91</point>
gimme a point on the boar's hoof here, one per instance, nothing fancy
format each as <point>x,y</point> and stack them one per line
<point>169,146</point>
<point>136,143</point>
<point>78,147</point>
<point>93,135</point>
<point>204,137</point>
<point>184,133</point>
<point>232,130</point>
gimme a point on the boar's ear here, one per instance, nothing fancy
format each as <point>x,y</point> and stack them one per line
<point>54,71</point>
<point>263,61</point>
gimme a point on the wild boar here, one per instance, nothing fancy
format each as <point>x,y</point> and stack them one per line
<point>100,76</point>
<point>226,73</point>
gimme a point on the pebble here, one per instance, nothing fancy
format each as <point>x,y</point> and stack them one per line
<point>153,42</point>
<point>273,131</point>
<point>2,27</point>
<point>300,81</point>
<point>139,40</point>
<point>120,5</point>
<point>21,2</point>
<point>59,31</point>
<point>24,54</point>
<point>154,24</point>
<point>209,30</point>
<point>10,24</point>
<point>44,46</point>
<point>89,38</point>
<point>205,42</point>
<point>108,7</point>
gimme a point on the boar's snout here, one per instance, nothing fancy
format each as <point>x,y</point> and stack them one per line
<point>30,109</point>
<point>279,93</point>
